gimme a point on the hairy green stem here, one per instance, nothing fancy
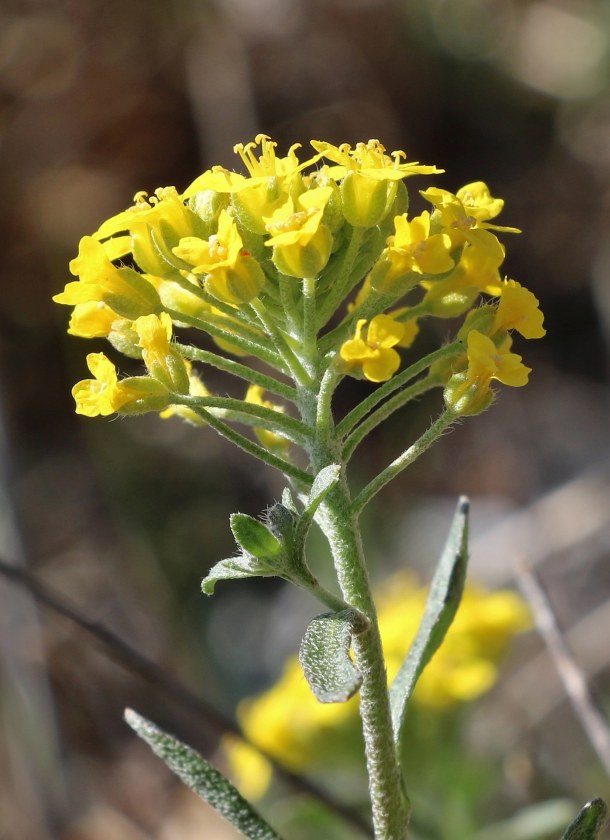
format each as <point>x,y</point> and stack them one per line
<point>440,425</point>
<point>389,806</point>
<point>340,526</point>
<point>384,411</point>
<point>369,403</point>
<point>253,415</point>
<point>302,478</point>
<point>195,354</point>
<point>250,346</point>
<point>299,374</point>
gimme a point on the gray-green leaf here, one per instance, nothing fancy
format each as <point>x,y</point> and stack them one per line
<point>589,823</point>
<point>323,483</point>
<point>443,600</point>
<point>202,778</point>
<point>237,568</point>
<point>254,537</point>
<point>325,659</point>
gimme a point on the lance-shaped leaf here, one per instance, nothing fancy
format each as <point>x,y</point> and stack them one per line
<point>325,657</point>
<point>202,778</point>
<point>589,822</point>
<point>441,606</point>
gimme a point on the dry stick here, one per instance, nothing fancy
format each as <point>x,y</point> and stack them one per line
<point>137,663</point>
<point>594,724</point>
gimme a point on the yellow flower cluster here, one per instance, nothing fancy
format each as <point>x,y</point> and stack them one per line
<point>219,257</point>
<point>289,723</point>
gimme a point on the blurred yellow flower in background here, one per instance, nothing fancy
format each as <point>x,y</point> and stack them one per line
<point>288,723</point>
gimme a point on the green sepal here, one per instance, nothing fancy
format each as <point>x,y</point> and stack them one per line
<point>325,655</point>
<point>441,606</point>
<point>138,297</point>
<point>254,537</point>
<point>163,238</point>
<point>199,775</point>
<point>589,822</point>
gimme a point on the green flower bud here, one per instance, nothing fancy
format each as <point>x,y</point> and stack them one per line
<point>467,397</point>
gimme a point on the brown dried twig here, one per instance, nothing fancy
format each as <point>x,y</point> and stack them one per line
<point>573,679</point>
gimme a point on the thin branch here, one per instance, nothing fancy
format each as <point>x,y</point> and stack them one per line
<point>574,682</point>
<point>440,425</point>
<point>136,663</point>
<point>195,354</point>
<point>289,469</point>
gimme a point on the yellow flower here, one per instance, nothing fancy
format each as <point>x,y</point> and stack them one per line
<point>487,362</point>
<point>519,310</point>
<point>370,159</point>
<point>478,201</point>
<point>468,392</point>
<point>271,440</point>
<point>163,361</point>
<point>467,220</point>
<point>373,354</point>
<point>271,181</point>
<point>105,394</point>
<point>91,320</point>
<point>220,251</point>
<point>233,276</point>
<point>368,178</point>
<point>123,290</point>
<point>416,250</point>
<point>301,243</point>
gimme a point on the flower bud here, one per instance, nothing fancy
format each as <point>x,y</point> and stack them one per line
<point>366,201</point>
<point>239,283</point>
<point>465,396</point>
<point>298,260</point>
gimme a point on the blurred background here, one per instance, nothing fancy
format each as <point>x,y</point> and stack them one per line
<point>101,99</point>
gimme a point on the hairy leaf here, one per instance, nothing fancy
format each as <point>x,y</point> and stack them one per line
<point>202,778</point>
<point>443,600</point>
<point>324,656</point>
<point>589,823</point>
<point>238,568</point>
<point>254,537</point>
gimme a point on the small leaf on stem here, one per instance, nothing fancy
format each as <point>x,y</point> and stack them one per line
<point>325,655</point>
<point>254,537</point>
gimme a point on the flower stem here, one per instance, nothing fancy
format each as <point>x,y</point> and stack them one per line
<point>399,464</point>
<point>299,374</point>
<point>340,526</point>
<point>389,805</point>
<point>302,478</point>
<point>195,354</point>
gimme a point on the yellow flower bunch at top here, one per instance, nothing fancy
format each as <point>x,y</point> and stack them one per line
<point>288,722</point>
<point>262,261</point>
